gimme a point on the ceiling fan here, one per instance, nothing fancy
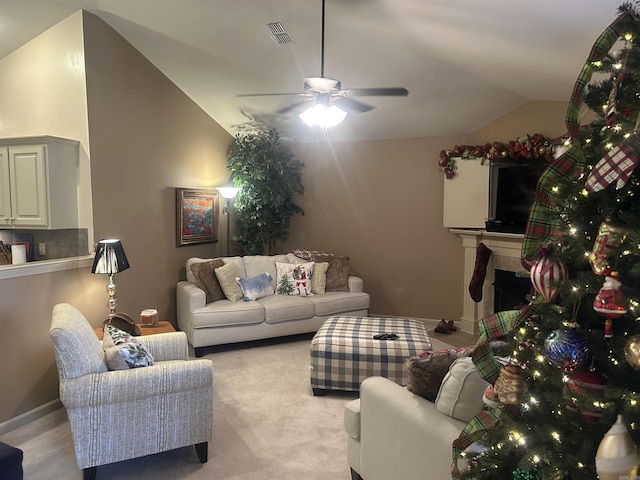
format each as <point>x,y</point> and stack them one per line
<point>324,93</point>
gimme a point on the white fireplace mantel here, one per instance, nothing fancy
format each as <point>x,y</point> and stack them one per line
<point>506,248</point>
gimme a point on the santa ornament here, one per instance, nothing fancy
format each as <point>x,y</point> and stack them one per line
<point>610,303</point>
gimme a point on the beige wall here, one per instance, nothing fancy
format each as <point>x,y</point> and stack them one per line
<point>378,202</point>
<point>545,118</point>
<point>42,92</point>
<point>147,137</point>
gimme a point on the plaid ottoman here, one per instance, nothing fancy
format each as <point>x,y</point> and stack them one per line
<point>344,352</point>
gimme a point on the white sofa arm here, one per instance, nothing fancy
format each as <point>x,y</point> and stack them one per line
<point>403,435</point>
<point>188,297</point>
<point>356,284</point>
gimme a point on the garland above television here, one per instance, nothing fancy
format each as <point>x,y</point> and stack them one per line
<point>531,146</point>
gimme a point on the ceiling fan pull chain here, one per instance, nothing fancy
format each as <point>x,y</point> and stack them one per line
<point>322,44</point>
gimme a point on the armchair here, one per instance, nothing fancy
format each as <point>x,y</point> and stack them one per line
<point>123,414</point>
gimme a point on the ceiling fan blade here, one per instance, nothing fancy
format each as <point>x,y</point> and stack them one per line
<point>300,94</point>
<point>351,105</point>
<point>293,106</point>
<point>377,92</point>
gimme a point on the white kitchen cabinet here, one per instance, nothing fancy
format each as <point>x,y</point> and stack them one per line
<point>466,195</point>
<point>38,183</point>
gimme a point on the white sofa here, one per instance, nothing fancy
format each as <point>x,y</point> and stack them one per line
<point>224,321</point>
<point>393,433</point>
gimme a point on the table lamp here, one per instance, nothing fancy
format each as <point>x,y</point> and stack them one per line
<point>110,259</point>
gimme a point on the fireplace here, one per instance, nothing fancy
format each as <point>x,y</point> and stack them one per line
<point>509,291</point>
<point>506,248</point>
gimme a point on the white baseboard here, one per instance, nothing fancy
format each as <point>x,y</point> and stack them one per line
<point>30,416</point>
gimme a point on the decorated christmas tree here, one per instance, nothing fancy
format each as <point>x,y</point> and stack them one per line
<point>564,397</point>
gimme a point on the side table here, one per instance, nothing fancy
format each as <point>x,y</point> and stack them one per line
<point>163,327</point>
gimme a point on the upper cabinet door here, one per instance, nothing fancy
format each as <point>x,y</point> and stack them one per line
<point>39,183</point>
<point>5,189</point>
<point>29,195</point>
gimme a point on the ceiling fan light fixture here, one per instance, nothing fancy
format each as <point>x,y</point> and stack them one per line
<point>323,116</point>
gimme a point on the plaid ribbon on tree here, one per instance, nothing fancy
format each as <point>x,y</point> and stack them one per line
<point>544,223</point>
<point>490,327</point>
<point>615,166</point>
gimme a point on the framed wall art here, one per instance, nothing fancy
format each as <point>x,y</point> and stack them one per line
<point>197,213</point>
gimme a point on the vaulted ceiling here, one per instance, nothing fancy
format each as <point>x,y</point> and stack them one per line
<point>464,62</point>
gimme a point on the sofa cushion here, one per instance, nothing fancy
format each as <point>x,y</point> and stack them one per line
<point>337,272</point>
<point>123,351</point>
<point>226,313</point>
<point>333,303</point>
<point>204,277</point>
<point>256,287</point>
<point>294,279</point>
<point>227,275</point>
<point>461,392</point>
<point>283,308</point>
<point>256,264</point>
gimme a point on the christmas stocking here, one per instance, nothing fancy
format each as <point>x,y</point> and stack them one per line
<point>483,253</point>
<point>616,166</point>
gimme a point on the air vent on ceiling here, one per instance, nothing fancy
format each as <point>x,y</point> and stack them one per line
<point>278,33</point>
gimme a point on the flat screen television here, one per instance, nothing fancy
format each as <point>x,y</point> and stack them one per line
<point>512,189</point>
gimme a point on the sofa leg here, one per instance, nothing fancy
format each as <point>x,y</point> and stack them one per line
<point>89,473</point>
<point>355,475</point>
<point>202,449</point>
<point>319,392</point>
<point>198,352</point>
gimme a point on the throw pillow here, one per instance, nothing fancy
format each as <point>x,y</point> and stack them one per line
<point>255,287</point>
<point>462,391</point>
<point>427,370</point>
<point>205,275</point>
<point>123,351</point>
<point>227,277</point>
<point>319,278</point>
<point>337,273</point>
<point>307,254</point>
<point>294,279</point>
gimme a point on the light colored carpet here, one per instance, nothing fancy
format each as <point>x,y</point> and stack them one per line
<point>266,425</point>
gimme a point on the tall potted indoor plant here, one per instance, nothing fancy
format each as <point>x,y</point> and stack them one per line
<point>268,175</point>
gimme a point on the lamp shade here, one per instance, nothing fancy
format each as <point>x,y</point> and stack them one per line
<point>323,116</point>
<point>110,257</point>
<point>228,192</point>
